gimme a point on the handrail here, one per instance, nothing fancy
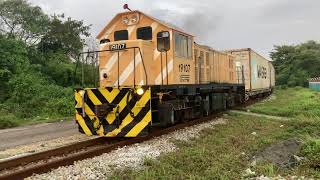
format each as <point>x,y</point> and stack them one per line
<point>144,67</point>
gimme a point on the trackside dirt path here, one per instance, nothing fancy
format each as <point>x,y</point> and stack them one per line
<point>260,115</point>
<point>30,134</point>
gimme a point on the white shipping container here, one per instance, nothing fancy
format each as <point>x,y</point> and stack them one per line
<point>258,71</point>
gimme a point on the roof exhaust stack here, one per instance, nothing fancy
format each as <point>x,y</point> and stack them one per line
<point>125,6</point>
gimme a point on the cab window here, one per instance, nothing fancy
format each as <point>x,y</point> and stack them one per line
<point>144,33</point>
<point>163,41</point>
<point>183,45</point>
<point>121,35</point>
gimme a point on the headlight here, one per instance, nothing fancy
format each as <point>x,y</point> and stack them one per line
<point>140,91</point>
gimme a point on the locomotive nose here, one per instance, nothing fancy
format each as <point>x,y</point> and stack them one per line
<point>111,112</point>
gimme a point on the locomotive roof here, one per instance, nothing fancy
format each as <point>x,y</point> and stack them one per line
<point>169,25</point>
<point>209,48</point>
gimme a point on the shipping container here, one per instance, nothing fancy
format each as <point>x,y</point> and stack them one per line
<point>258,72</point>
<point>273,75</point>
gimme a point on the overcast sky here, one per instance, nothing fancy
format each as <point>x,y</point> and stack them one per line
<point>221,24</point>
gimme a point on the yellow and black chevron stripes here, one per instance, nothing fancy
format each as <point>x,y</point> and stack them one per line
<point>128,113</point>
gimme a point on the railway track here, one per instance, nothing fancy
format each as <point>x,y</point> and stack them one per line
<point>42,162</point>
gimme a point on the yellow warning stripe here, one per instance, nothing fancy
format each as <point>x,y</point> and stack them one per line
<point>96,124</point>
<point>93,98</point>
<point>140,126</point>
<point>89,113</point>
<point>96,121</point>
<point>83,125</point>
<point>78,99</point>
<point>128,119</point>
<point>110,96</point>
<point>88,110</point>
<point>122,104</point>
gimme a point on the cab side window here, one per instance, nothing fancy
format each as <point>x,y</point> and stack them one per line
<point>182,45</point>
<point>121,35</point>
<point>144,33</point>
<point>163,41</point>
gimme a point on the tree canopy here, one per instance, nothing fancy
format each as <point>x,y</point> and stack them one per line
<point>20,20</point>
<point>295,64</point>
<point>66,35</point>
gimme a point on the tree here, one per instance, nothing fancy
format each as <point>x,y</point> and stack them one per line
<point>20,20</point>
<point>13,57</point>
<point>64,35</point>
<point>295,64</point>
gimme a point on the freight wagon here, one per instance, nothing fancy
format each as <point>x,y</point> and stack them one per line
<point>152,73</point>
<point>258,72</point>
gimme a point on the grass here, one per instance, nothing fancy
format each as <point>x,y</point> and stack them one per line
<point>226,151</point>
<point>292,102</point>
<point>217,154</point>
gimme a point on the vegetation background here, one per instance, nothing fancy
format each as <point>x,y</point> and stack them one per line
<point>38,55</point>
<point>295,64</point>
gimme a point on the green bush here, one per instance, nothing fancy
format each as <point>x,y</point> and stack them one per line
<point>311,150</point>
<point>62,105</point>
<point>33,95</point>
<point>8,121</point>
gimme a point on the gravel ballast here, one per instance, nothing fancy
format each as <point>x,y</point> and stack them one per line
<point>132,156</point>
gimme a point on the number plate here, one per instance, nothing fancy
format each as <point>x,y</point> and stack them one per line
<point>114,47</point>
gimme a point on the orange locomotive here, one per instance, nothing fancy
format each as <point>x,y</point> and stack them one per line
<point>154,74</point>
